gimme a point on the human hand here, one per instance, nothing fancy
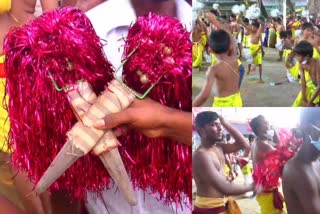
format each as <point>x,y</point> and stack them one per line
<point>153,120</point>
<point>144,115</point>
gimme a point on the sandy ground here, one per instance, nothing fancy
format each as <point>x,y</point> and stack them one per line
<point>256,94</point>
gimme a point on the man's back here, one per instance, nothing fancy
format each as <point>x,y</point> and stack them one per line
<point>226,77</point>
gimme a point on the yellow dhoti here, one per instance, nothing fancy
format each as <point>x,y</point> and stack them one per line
<point>246,170</point>
<point>229,101</point>
<point>310,90</point>
<point>5,5</point>
<point>4,121</point>
<point>268,205</point>
<point>204,205</point>
<point>255,48</point>
<point>197,54</point>
<point>316,54</point>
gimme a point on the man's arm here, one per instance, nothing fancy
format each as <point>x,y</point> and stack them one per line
<point>211,175</point>
<point>240,142</point>
<point>206,89</point>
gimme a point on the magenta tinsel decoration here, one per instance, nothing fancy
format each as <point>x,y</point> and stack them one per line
<point>63,43</point>
<point>163,49</point>
<point>270,170</point>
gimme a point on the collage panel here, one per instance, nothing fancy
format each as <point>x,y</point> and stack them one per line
<point>95,106</point>
<point>255,160</point>
<point>256,53</point>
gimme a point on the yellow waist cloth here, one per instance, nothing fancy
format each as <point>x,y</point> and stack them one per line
<point>226,169</point>
<point>204,202</point>
<point>203,39</point>
<point>316,54</point>
<point>294,71</point>
<point>4,121</point>
<point>255,48</point>
<point>233,100</point>
<point>5,5</point>
<point>197,54</point>
<point>286,53</point>
<point>246,170</point>
<point>265,201</point>
<point>310,90</point>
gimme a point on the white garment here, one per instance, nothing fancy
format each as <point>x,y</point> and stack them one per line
<point>111,21</point>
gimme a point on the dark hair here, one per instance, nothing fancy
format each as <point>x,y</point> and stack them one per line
<point>255,24</point>
<point>255,123</point>
<point>274,19</point>
<point>215,12</point>
<point>232,16</point>
<point>289,33</point>
<point>219,41</point>
<point>283,34</point>
<point>205,117</point>
<point>279,20</point>
<point>304,48</point>
<point>251,137</point>
<point>309,115</point>
<point>228,137</point>
<point>307,26</point>
<point>246,20</point>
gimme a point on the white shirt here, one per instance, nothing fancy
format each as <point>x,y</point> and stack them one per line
<point>111,21</point>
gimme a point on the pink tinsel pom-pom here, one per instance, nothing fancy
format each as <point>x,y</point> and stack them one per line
<point>63,43</point>
<point>163,51</point>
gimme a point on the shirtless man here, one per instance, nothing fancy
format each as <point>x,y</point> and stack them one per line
<point>236,32</point>
<point>301,174</point>
<point>267,139</point>
<point>223,78</point>
<point>280,28</point>
<point>208,163</point>
<point>310,76</point>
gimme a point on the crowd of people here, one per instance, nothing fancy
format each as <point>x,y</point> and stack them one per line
<point>214,180</point>
<point>244,40</point>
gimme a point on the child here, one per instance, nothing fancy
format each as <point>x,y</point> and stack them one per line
<point>310,76</point>
<point>223,78</point>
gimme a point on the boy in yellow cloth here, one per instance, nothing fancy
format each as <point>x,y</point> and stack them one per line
<point>310,76</point>
<point>223,78</point>
<point>256,49</point>
<point>270,200</point>
<point>199,39</point>
<point>208,165</point>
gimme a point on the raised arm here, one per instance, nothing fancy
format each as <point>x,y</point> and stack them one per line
<point>240,141</point>
<point>211,175</point>
<point>206,89</point>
